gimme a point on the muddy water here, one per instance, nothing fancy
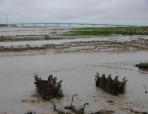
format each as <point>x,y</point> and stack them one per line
<point>77,72</point>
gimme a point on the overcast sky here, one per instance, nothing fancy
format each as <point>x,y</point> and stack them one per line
<point>91,11</point>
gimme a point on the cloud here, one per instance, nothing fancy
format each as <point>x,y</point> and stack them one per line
<point>92,11</point>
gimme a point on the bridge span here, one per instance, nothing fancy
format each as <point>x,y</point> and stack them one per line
<point>60,25</point>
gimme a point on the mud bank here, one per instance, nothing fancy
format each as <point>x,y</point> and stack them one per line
<point>84,46</point>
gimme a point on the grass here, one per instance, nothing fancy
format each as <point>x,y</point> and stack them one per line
<point>87,33</point>
<point>142,28</point>
<point>107,31</point>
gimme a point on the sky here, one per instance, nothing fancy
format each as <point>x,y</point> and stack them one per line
<point>133,12</point>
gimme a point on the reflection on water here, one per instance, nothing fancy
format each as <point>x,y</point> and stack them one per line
<point>77,72</point>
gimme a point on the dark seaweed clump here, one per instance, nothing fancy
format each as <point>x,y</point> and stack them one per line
<point>142,66</point>
<point>110,85</point>
<point>50,88</point>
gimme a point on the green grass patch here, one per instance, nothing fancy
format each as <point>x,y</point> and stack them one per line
<point>87,33</point>
<point>142,28</point>
<point>107,31</point>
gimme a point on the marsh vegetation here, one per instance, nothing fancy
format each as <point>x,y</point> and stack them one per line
<point>107,31</point>
<point>142,66</point>
<point>110,85</point>
<point>50,88</point>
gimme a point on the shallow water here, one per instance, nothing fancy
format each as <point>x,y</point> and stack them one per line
<point>14,31</point>
<point>77,70</point>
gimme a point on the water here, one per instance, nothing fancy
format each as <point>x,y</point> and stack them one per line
<point>21,31</point>
<point>77,70</point>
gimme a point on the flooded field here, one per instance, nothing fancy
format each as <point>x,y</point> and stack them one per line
<point>75,60</point>
<point>77,70</point>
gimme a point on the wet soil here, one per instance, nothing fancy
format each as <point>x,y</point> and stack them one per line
<point>84,46</point>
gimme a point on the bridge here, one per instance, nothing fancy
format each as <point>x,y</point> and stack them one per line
<point>61,25</point>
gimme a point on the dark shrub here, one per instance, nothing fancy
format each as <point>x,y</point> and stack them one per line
<point>112,86</point>
<point>142,66</point>
<point>50,88</point>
